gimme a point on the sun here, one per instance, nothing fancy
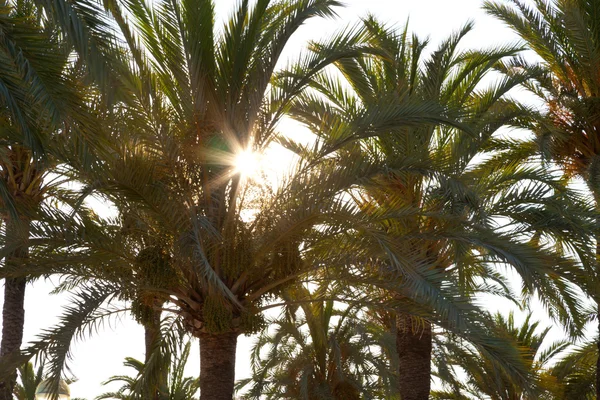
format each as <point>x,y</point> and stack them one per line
<point>247,163</point>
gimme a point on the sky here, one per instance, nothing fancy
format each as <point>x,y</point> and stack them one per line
<point>98,358</point>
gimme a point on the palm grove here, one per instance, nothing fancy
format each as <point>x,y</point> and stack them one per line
<point>409,205</point>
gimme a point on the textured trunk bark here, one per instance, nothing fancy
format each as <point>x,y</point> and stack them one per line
<point>597,295</point>
<point>13,313</point>
<point>598,311</point>
<point>413,343</point>
<point>217,365</point>
<point>598,363</point>
<point>151,335</point>
<point>13,319</point>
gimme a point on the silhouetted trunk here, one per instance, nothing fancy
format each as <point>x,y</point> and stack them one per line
<point>217,365</point>
<point>595,292</point>
<point>13,312</point>
<point>598,362</point>
<point>151,333</point>
<point>598,312</point>
<point>413,343</point>
<point>151,336</point>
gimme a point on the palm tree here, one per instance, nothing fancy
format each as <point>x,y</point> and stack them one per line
<point>564,34</point>
<point>316,351</point>
<point>45,122</point>
<point>206,99</point>
<point>438,201</point>
<point>486,380</point>
<point>151,267</point>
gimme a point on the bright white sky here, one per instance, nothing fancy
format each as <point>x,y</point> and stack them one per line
<point>98,358</point>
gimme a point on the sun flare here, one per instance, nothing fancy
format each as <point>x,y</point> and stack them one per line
<point>247,163</point>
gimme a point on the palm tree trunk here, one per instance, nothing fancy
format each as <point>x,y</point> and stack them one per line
<point>414,344</point>
<point>595,293</point>
<point>13,312</point>
<point>597,299</point>
<point>217,365</point>
<point>151,333</point>
<point>598,360</point>
<point>151,336</point>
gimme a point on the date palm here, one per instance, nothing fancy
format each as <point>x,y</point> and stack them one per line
<point>45,121</point>
<point>564,34</point>
<point>205,99</point>
<point>437,199</point>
